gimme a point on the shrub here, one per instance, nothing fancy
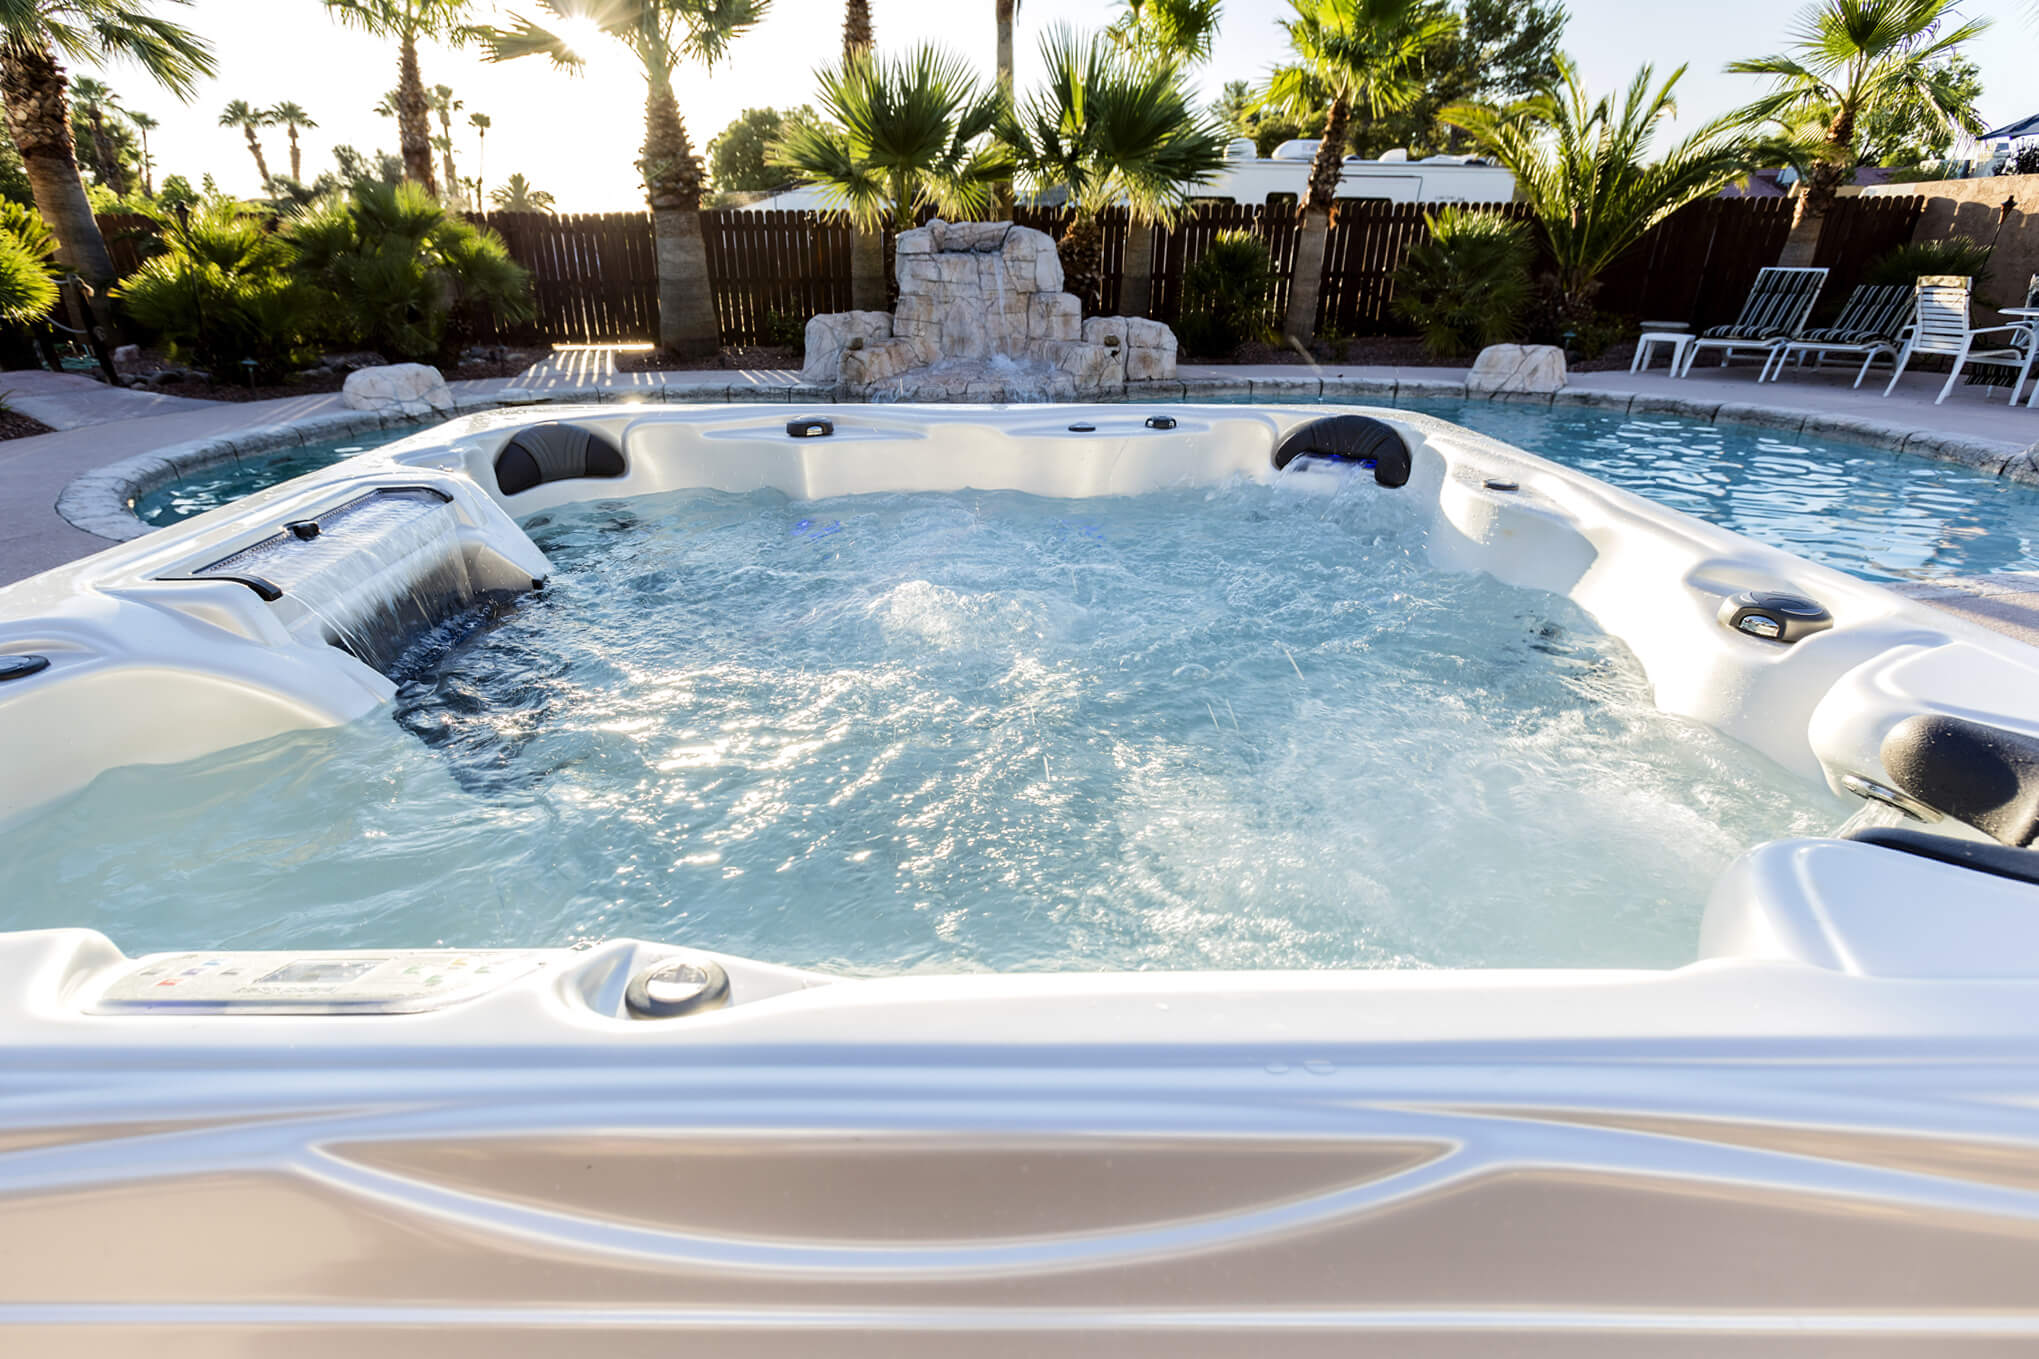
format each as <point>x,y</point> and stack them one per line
<point>221,293</point>
<point>1225,298</point>
<point>28,265</point>
<point>396,272</point>
<point>27,292</point>
<point>786,330</point>
<point>1467,285</point>
<point>1908,264</point>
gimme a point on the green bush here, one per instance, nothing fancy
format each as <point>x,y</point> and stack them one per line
<point>1225,295</point>
<point>396,273</point>
<point>1907,264</point>
<point>221,293</point>
<point>28,267</point>
<point>1467,285</point>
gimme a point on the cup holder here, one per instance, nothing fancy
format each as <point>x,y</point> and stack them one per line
<point>673,987</point>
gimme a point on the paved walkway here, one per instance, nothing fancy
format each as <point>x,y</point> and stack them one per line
<point>73,400</point>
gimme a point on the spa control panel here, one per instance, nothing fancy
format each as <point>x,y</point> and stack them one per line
<point>382,982</point>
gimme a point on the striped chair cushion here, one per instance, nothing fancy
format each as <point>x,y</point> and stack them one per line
<point>1871,315</point>
<point>1776,307</point>
<point>1753,334</point>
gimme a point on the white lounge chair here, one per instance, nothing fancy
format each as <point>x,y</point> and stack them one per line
<point>1940,326</point>
<point>1772,316</point>
<point>1871,324</point>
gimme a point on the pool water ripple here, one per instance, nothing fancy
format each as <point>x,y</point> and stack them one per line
<point>1235,728</point>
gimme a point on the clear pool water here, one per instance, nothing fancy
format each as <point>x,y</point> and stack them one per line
<point>1883,516</point>
<point>1244,728</point>
<point>179,500</point>
<point>1879,515</point>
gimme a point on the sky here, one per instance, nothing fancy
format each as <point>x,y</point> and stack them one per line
<point>577,137</point>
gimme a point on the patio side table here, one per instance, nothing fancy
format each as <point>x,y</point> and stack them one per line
<point>1676,334</point>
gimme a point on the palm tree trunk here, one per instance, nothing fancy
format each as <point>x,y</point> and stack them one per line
<point>414,117</point>
<point>1835,167</point>
<point>1809,213</point>
<point>255,149</point>
<point>1136,274</point>
<point>856,28</point>
<point>867,270</point>
<point>296,157</point>
<point>109,155</point>
<point>672,184</point>
<point>1082,252</point>
<point>33,91</point>
<point>1305,283</point>
<point>148,167</point>
<point>1002,190</point>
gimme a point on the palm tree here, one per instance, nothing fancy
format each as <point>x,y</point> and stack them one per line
<point>901,133</point>
<point>96,99</point>
<point>34,34</point>
<point>660,34</point>
<point>144,125</point>
<point>292,117</point>
<point>857,38</point>
<point>517,195</point>
<point>1004,13</point>
<point>1108,130</point>
<point>481,123</point>
<point>408,21</point>
<point>1363,56</point>
<point>445,105</point>
<point>1185,31</point>
<point>1583,167</point>
<point>1850,58</point>
<point>247,117</point>
<point>450,191</point>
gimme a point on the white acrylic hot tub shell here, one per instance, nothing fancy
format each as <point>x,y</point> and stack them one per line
<point>1817,1139</point>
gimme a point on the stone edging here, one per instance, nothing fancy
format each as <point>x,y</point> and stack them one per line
<point>101,501</point>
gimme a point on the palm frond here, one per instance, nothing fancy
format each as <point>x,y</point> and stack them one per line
<point>1107,129</point>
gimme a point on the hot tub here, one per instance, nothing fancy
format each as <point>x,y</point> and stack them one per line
<point>1459,905</point>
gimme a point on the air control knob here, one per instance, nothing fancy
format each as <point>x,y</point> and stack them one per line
<point>1774,617</point>
<point>672,987</point>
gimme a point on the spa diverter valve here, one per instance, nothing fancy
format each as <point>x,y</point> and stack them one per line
<point>672,987</point>
<point>1774,617</point>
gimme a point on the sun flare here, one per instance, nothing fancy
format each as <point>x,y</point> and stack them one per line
<point>582,36</point>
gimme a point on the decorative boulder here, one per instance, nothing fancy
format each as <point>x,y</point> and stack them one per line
<point>1517,368</point>
<point>829,335</point>
<point>1146,348</point>
<point>403,388</point>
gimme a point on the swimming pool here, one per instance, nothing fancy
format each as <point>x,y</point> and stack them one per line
<point>1871,513</point>
<point>175,501</point>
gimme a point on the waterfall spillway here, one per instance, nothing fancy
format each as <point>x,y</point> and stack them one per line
<point>373,573</point>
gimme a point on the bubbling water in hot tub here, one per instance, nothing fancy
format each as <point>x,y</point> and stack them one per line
<point>1241,727</point>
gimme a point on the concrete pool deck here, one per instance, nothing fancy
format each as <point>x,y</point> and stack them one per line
<point>99,427</point>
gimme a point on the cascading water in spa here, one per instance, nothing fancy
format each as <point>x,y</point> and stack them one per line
<point>1246,727</point>
<point>376,573</point>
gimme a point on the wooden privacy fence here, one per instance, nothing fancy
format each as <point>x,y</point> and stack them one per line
<point>596,277</point>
